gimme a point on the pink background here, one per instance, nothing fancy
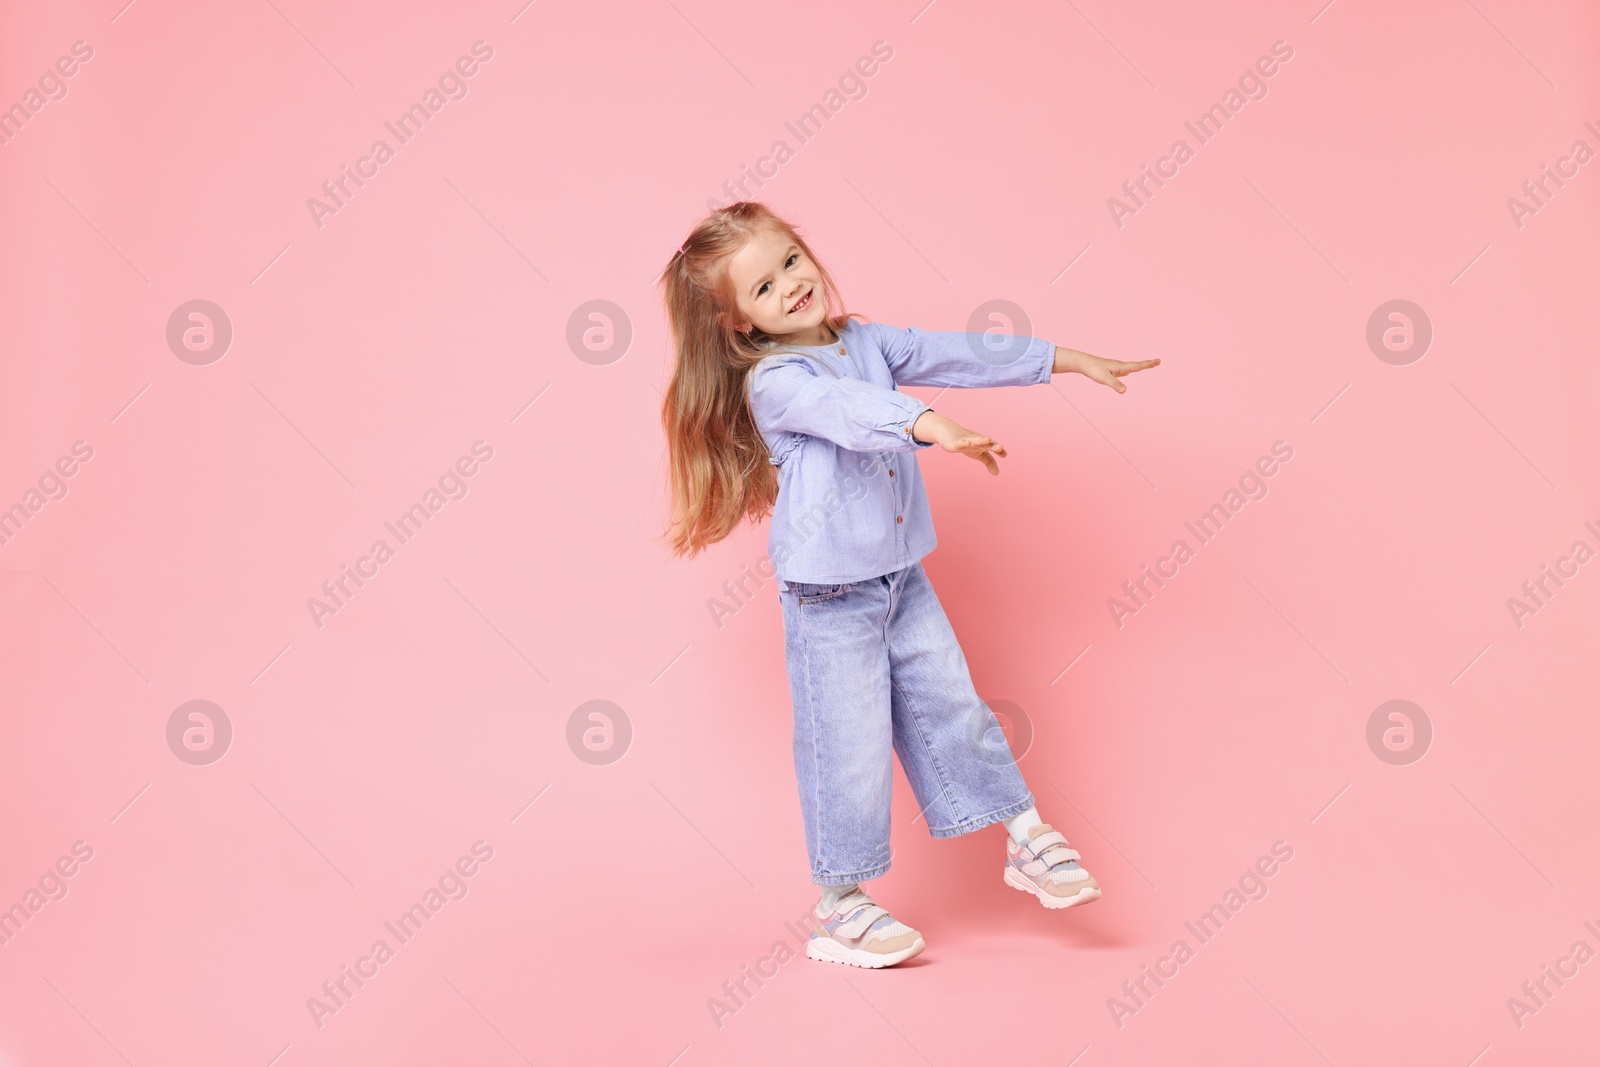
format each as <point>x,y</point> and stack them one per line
<point>371,352</point>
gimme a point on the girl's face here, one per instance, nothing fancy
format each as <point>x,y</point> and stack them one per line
<point>778,289</point>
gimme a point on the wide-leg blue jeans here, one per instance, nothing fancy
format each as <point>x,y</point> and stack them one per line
<point>874,667</point>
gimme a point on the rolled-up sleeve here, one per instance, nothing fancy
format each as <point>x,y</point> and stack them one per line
<point>788,394</point>
<point>962,360</point>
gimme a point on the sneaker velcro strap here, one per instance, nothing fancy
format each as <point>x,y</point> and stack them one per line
<point>1045,840</point>
<point>1056,851</point>
<point>863,918</point>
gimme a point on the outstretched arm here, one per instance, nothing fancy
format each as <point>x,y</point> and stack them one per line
<point>787,393</point>
<point>1104,371</point>
<point>950,358</point>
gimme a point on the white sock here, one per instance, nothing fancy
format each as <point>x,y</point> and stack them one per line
<point>832,894</point>
<point>1017,826</point>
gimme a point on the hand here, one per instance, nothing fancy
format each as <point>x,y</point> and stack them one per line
<point>1104,371</point>
<point>954,437</point>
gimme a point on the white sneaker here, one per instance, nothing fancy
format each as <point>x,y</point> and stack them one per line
<point>1047,867</point>
<point>861,933</point>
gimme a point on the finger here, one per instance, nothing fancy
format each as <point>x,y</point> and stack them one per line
<point>989,463</point>
<point>1129,368</point>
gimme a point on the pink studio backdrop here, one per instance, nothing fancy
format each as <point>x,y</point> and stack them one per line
<point>191,890</point>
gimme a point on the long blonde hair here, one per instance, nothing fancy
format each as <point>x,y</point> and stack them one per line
<point>721,472</point>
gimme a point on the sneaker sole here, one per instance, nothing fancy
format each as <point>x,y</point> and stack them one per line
<point>1016,880</point>
<point>828,950</point>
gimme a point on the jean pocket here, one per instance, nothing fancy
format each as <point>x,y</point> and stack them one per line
<point>814,593</point>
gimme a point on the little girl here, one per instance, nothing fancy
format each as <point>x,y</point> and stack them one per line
<point>780,401</point>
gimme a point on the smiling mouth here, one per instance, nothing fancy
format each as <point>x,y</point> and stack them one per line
<point>803,303</point>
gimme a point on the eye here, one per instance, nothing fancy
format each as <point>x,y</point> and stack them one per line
<point>763,290</point>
